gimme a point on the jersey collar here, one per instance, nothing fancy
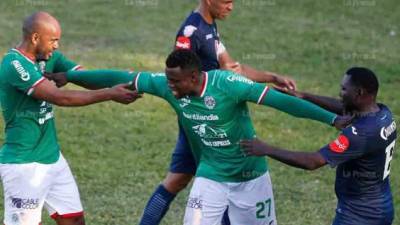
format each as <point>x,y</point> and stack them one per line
<point>24,55</point>
<point>204,85</point>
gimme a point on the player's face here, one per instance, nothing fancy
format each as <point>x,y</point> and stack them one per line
<point>181,82</point>
<point>47,42</point>
<point>220,9</point>
<point>349,94</point>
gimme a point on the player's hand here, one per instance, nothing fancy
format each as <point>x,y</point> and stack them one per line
<point>233,66</point>
<point>59,78</point>
<point>290,92</point>
<point>285,82</point>
<point>342,122</point>
<point>254,147</point>
<point>123,94</point>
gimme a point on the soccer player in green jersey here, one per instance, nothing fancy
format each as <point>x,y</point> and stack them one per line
<point>212,109</point>
<point>33,171</point>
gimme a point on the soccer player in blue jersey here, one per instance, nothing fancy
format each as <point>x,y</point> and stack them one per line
<point>362,152</point>
<point>199,33</point>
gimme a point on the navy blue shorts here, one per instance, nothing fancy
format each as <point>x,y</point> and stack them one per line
<point>349,219</point>
<point>182,158</point>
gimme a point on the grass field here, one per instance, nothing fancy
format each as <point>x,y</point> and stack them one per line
<point>120,153</point>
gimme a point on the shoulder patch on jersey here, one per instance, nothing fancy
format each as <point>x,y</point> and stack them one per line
<point>340,145</point>
<point>189,30</point>
<point>20,69</point>
<point>183,43</point>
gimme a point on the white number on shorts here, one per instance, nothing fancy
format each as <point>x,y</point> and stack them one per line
<point>389,156</point>
<point>262,209</point>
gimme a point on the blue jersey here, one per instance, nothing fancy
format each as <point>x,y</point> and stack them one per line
<point>362,154</point>
<point>202,38</point>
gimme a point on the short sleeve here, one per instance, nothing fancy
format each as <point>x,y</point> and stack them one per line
<point>151,83</point>
<point>241,88</point>
<point>23,76</point>
<point>64,64</point>
<point>347,146</point>
<point>188,38</point>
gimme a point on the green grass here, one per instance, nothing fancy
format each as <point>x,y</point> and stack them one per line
<point>120,153</point>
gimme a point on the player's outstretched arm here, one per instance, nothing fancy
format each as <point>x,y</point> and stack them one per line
<point>227,63</point>
<point>303,160</point>
<point>303,109</point>
<point>48,92</point>
<point>92,79</point>
<point>328,103</point>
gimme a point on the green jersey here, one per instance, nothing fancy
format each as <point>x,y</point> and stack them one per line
<point>30,134</point>
<point>217,120</point>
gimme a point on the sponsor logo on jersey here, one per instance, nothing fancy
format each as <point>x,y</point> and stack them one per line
<point>205,131</point>
<point>209,36</point>
<point>196,116</point>
<point>184,102</point>
<point>24,74</point>
<point>183,43</point>
<point>42,66</point>
<point>387,131</point>
<point>25,203</point>
<point>223,143</point>
<point>233,78</point>
<point>189,30</point>
<point>210,102</point>
<point>48,116</point>
<point>340,145</point>
<point>353,129</point>
<point>195,203</point>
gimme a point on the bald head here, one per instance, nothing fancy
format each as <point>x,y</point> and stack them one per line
<point>41,35</point>
<point>40,22</point>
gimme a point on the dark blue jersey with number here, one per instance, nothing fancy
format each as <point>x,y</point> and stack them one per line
<point>362,154</point>
<point>202,38</point>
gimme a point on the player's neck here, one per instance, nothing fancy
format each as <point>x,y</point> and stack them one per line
<point>27,50</point>
<point>205,13</point>
<point>201,84</point>
<point>367,109</point>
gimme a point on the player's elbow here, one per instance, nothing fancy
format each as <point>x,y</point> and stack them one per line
<point>314,162</point>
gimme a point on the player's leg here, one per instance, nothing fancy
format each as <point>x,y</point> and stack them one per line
<point>25,187</point>
<point>207,202</point>
<point>63,201</point>
<point>252,202</point>
<point>182,169</point>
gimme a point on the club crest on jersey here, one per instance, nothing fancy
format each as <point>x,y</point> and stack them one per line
<point>209,101</point>
<point>340,145</point>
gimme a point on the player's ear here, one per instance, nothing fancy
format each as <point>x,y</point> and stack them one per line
<point>35,38</point>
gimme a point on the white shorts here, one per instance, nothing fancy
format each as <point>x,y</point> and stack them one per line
<point>28,187</point>
<point>248,203</point>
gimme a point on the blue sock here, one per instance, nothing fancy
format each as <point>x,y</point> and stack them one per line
<point>225,218</point>
<point>157,206</point>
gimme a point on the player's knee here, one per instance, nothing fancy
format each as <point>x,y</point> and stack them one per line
<point>175,182</point>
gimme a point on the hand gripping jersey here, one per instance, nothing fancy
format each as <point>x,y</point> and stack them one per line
<point>30,134</point>
<point>363,154</point>
<point>202,38</point>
